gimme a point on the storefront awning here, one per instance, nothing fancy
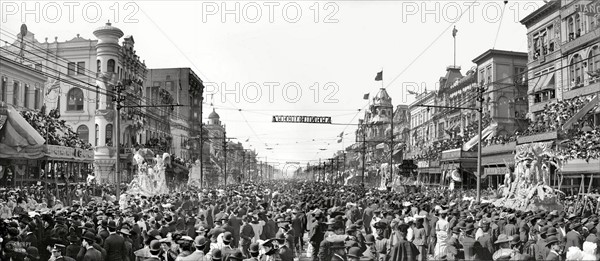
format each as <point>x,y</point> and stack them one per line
<point>584,110</point>
<point>580,166</point>
<point>548,83</point>
<point>20,139</point>
<point>545,81</point>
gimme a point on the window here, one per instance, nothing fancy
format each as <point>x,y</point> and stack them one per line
<point>98,66</point>
<point>97,97</point>
<point>109,135</point>
<point>15,92</point>
<point>81,68</point>
<point>36,98</point>
<point>109,98</point>
<point>75,100</point>
<point>3,89</point>
<point>110,66</point>
<point>26,95</point>
<point>156,84</point>
<point>83,133</point>
<point>575,71</point>
<point>519,75</point>
<point>168,77</point>
<point>169,85</point>
<point>489,74</point>
<point>97,133</point>
<point>594,59</point>
<point>71,68</point>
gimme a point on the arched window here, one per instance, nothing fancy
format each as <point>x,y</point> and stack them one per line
<point>97,133</point>
<point>503,108</point>
<point>110,66</point>
<point>97,97</point>
<point>98,66</point>
<point>571,28</point>
<point>75,100</point>
<point>109,135</point>
<point>594,59</point>
<point>83,133</point>
<point>575,68</point>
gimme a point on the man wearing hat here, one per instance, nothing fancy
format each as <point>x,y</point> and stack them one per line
<point>114,244</point>
<point>472,248</point>
<point>573,237</point>
<point>338,249</point>
<point>554,245</point>
<point>285,252</point>
<point>198,254</point>
<point>74,247</point>
<point>57,253</point>
<point>246,235</point>
<point>504,251</point>
<point>254,252</point>
<point>154,251</point>
<point>91,253</point>
<point>404,249</point>
<point>317,233</point>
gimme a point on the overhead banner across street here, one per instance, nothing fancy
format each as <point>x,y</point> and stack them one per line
<point>302,119</point>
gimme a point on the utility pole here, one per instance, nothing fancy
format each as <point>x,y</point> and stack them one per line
<point>225,156</point>
<point>364,152</point>
<point>391,176</point>
<point>201,151</point>
<point>480,91</point>
<point>118,99</point>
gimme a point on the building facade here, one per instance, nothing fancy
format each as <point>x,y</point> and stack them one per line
<point>21,85</point>
<point>186,88</point>
<point>84,73</point>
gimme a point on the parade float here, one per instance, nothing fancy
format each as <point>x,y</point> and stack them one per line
<point>528,186</point>
<point>150,178</point>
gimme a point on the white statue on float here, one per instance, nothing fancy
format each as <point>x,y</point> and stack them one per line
<point>149,181</point>
<point>527,188</point>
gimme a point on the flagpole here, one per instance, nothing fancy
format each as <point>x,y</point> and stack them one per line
<point>454,36</point>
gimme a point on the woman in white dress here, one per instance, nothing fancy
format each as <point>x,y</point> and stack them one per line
<point>441,228</point>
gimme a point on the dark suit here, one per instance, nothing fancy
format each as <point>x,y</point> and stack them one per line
<point>92,254</point>
<point>286,254</point>
<point>72,250</point>
<point>573,238</point>
<point>473,249</point>
<point>115,248</point>
<point>552,256</point>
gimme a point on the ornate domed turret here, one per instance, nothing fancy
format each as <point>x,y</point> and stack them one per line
<point>108,29</point>
<point>382,98</point>
<point>214,115</point>
<point>214,118</point>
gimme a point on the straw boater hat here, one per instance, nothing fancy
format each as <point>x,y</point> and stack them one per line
<point>503,238</point>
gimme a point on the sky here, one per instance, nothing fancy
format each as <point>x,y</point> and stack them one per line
<point>314,58</point>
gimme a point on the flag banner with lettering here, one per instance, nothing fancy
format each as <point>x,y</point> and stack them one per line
<point>302,119</point>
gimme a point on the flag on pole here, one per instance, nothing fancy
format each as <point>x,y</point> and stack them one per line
<point>51,85</point>
<point>454,31</point>
<point>379,76</point>
<point>366,96</point>
<point>490,130</point>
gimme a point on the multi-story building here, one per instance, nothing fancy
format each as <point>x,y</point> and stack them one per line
<point>564,84</point>
<point>21,86</point>
<point>377,120</point>
<point>186,88</point>
<point>88,71</point>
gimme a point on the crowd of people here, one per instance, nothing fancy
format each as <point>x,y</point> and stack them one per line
<point>291,220</point>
